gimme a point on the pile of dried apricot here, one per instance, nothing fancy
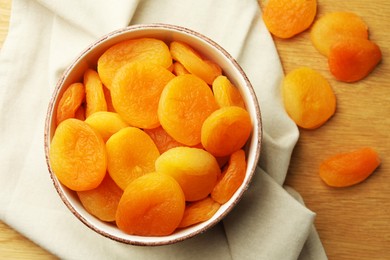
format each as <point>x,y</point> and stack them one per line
<point>152,138</point>
<point>308,98</point>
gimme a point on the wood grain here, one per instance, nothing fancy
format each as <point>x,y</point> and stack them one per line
<point>353,223</point>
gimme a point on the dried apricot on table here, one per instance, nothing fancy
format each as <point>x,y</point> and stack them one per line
<point>70,101</point>
<point>193,62</point>
<point>102,201</point>
<point>333,27</point>
<point>286,18</point>
<point>106,123</point>
<point>199,211</point>
<point>231,179</point>
<point>226,94</point>
<point>226,130</point>
<point>308,98</point>
<point>352,59</point>
<point>131,153</point>
<point>350,168</point>
<point>77,155</point>
<point>94,95</point>
<point>194,169</point>
<point>136,91</point>
<point>149,50</point>
<point>185,103</point>
<point>152,205</point>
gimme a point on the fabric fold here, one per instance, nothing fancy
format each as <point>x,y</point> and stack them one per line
<point>266,222</point>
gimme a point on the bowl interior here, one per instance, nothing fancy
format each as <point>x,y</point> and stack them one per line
<point>167,33</point>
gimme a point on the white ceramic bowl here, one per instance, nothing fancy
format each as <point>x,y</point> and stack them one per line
<point>167,33</point>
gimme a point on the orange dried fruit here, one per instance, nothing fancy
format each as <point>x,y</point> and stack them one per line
<point>162,139</point>
<point>335,26</point>
<point>199,211</point>
<point>94,95</point>
<point>148,50</point>
<point>80,113</point>
<point>102,201</point>
<point>226,94</point>
<point>107,96</point>
<point>106,123</point>
<point>286,18</point>
<point>231,179</point>
<point>350,168</point>
<point>194,169</point>
<point>77,155</point>
<point>308,98</point>
<point>152,205</point>
<point>131,153</point>
<point>226,130</point>
<point>185,103</point>
<point>136,91</point>
<point>70,101</point>
<point>193,62</point>
<point>352,59</point>
<point>178,69</point>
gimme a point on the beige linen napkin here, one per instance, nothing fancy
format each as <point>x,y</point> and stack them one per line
<point>270,222</point>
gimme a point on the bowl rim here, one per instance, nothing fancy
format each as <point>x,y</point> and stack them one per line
<point>117,33</point>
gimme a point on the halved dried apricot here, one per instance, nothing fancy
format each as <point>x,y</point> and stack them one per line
<point>231,179</point>
<point>193,62</point>
<point>178,69</point>
<point>162,139</point>
<point>185,103</point>
<point>199,211</point>
<point>152,205</point>
<point>333,27</point>
<point>106,123</point>
<point>78,155</point>
<point>102,201</point>
<point>70,101</point>
<point>308,98</point>
<point>226,94</point>
<point>352,59</point>
<point>350,168</point>
<point>226,130</point>
<point>131,153</point>
<point>286,18</point>
<point>149,50</point>
<point>194,169</point>
<point>136,91</point>
<point>95,100</point>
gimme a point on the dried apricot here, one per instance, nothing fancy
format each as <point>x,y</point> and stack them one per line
<point>78,155</point>
<point>286,18</point>
<point>193,62</point>
<point>70,101</point>
<point>352,59</point>
<point>95,100</point>
<point>136,91</point>
<point>131,153</point>
<point>185,103</point>
<point>231,178</point>
<point>350,168</point>
<point>107,96</point>
<point>80,113</point>
<point>199,211</point>
<point>226,94</point>
<point>178,69</point>
<point>194,169</point>
<point>333,27</point>
<point>162,139</point>
<point>102,201</point>
<point>152,205</point>
<point>106,123</point>
<point>226,130</point>
<point>308,98</point>
<point>147,50</point>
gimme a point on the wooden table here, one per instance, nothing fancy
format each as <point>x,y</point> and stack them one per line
<point>353,223</point>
